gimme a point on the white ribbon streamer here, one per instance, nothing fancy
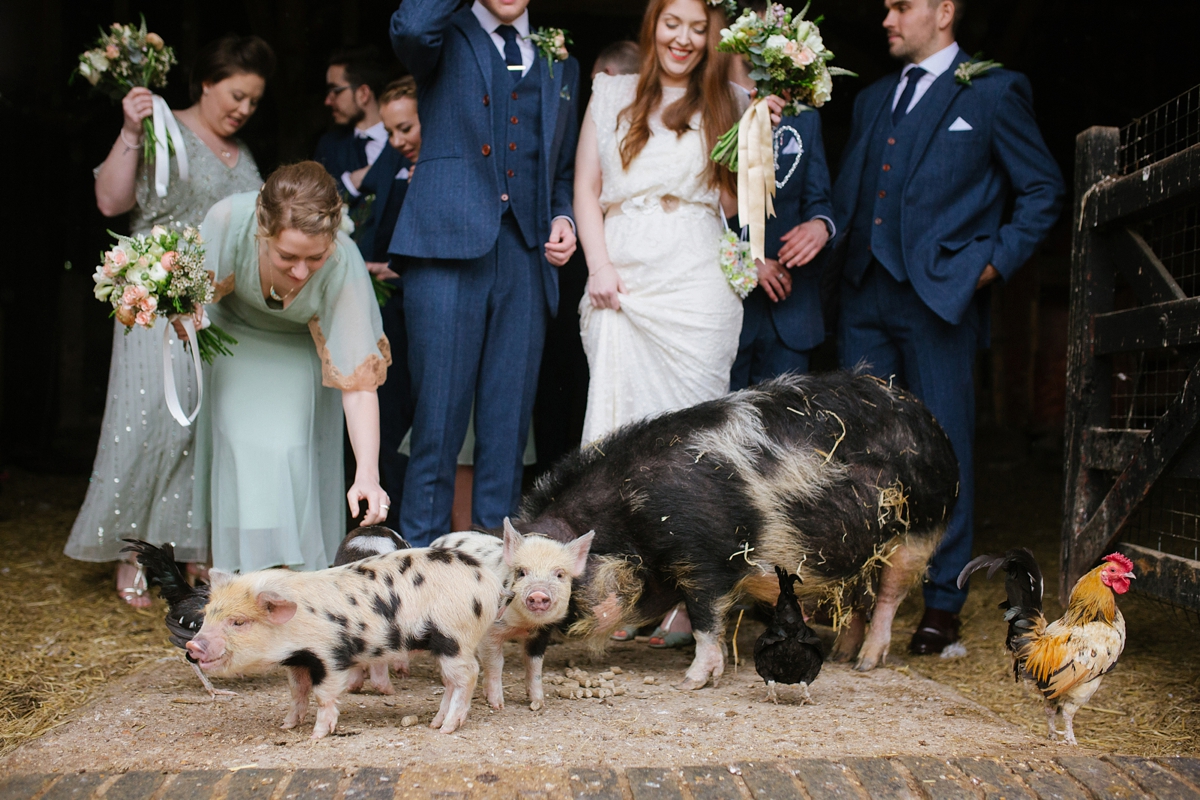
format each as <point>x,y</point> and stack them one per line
<point>189,327</point>
<point>756,174</point>
<point>165,124</point>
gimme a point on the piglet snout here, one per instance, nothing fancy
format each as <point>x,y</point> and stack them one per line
<point>195,649</point>
<point>538,602</point>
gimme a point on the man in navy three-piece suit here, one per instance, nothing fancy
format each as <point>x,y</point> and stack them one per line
<point>485,225</point>
<point>781,318</point>
<point>920,202</point>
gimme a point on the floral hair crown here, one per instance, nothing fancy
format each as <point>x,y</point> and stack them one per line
<point>1120,560</point>
<point>730,7</point>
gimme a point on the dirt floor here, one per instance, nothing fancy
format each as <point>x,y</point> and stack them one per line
<point>87,682</point>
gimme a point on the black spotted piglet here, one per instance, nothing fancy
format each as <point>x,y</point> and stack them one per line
<point>322,624</point>
<point>360,543</point>
<point>538,571</point>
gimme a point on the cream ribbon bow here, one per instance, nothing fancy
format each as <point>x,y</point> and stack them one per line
<point>189,327</point>
<point>165,124</point>
<point>756,173</point>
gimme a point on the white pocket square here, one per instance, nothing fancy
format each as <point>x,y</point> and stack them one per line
<point>791,148</point>
<point>960,124</point>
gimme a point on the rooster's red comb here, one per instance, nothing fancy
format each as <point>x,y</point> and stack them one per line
<point>1120,560</point>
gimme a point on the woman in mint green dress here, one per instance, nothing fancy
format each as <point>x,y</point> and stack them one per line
<point>296,295</point>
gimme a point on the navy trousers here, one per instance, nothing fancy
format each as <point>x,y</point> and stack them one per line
<point>475,333</point>
<point>395,404</point>
<point>762,355</point>
<point>886,326</point>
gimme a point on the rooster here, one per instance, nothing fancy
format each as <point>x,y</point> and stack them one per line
<point>788,651</point>
<point>185,603</point>
<point>1064,660</point>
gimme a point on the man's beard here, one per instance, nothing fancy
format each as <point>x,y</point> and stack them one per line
<point>356,117</point>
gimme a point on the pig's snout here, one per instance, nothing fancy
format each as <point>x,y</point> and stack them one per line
<point>195,649</point>
<point>538,602</point>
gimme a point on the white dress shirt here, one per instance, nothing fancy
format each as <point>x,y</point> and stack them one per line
<point>934,66</point>
<point>489,22</point>
<point>377,139</point>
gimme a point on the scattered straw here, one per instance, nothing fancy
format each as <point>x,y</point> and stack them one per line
<point>736,628</point>
<point>893,502</point>
<point>66,635</point>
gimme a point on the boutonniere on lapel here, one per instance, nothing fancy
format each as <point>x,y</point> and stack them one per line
<point>552,44</point>
<point>969,70</point>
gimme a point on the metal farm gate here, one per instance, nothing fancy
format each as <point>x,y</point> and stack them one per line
<point>1133,359</point>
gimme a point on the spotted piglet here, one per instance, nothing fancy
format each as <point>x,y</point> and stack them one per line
<point>320,625</point>
<point>538,571</point>
<point>360,543</point>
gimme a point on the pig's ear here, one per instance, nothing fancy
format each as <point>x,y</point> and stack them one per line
<point>277,607</point>
<point>512,540</point>
<point>577,551</point>
<point>218,577</point>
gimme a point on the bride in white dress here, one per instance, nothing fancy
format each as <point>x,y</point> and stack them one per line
<point>660,324</point>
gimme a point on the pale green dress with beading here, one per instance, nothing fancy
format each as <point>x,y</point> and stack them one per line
<point>141,482</point>
<point>269,476</point>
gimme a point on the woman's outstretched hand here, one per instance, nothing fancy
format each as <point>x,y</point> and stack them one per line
<point>603,287</point>
<point>368,489</point>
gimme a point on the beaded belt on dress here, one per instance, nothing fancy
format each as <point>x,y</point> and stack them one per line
<point>668,202</point>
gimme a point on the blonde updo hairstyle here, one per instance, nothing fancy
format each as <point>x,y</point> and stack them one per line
<point>301,196</point>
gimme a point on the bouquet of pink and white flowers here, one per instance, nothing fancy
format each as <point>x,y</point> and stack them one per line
<point>787,57</point>
<point>161,275</point>
<point>126,56</point>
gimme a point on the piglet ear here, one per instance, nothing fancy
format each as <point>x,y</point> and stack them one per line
<point>278,608</point>
<point>577,551</point>
<point>218,577</point>
<point>512,540</point>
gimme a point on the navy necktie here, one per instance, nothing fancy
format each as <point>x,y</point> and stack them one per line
<point>914,76</point>
<point>512,53</point>
<point>360,147</point>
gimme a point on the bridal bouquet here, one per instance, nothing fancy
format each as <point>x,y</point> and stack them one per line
<point>127,56</point>
<point>161,275</point>
<point>789,59</point>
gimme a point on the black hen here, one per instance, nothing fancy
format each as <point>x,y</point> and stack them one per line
<point>185,603</point>
<point>788,651</point>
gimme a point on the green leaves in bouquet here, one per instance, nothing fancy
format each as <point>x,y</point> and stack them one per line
<point>212,342</point>
<point>383,291</point>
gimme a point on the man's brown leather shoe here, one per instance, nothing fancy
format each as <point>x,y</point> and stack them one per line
<point>935,631</point>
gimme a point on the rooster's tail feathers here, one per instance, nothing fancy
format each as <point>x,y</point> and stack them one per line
<point>1023,584</point>
<point>161,570</point>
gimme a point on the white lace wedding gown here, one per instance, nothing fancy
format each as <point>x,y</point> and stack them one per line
<point>673,341</point>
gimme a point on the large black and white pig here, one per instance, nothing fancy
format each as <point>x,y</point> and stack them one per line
<point>538,572</point>
<point>840,478</point>
<point>322,624</point>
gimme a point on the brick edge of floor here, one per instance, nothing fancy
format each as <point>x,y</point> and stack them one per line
<point>1110,776</point>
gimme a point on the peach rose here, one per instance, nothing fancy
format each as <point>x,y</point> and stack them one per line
<point>148,303</point>
<point>155,41</point>
<point>145,318</point>
<point>112,51</point>
<point>118,257</point>
<point>168,260</point>
<point>134,295</point>
<point>108,269</point>
<point>126,315</point>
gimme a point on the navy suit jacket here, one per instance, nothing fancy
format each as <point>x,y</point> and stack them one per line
<point>959,182</point>
<point>452,210</point>
<point>806,194</point>
<point>337,154</point>
<point>379,181</point>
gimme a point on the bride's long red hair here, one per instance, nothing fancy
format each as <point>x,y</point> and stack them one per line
<point>708,91</point>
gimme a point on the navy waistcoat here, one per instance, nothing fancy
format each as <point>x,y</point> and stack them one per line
<point>516,122</point>
<point>876,227</point>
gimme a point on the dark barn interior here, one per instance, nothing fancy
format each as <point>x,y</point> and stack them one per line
<point>1094,63</point>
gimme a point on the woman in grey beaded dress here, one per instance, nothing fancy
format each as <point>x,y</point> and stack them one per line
<point>141,482</point>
